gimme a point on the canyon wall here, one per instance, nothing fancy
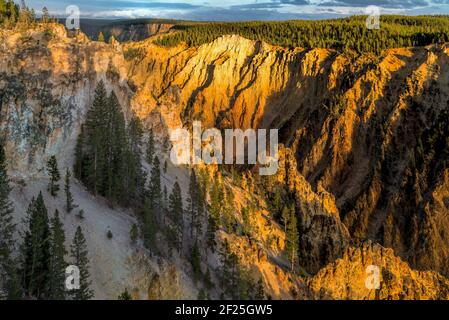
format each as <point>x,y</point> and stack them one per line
<point>366,135</point>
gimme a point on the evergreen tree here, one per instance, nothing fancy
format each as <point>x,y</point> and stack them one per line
<point>95,136</point>
<point>57,262</point>
<point>114,172</point>
<point>195,205</point>
<point>2,8</point>
<point>68,193</point>
<point>101,37</point>
<point>260,290</point>
<point>53,171</point>
<point>229,220</point>
<point>79,168</point>
<point>195,260</point>
<point>36,251</point>
<point>150,226</point>
<point>276,203</point>
<point>8,275</point>
<point>107,153</point>
<point>215,211</point>
<point>125,295</point>
<point>155,186</point>
<point>79,253</point>
<point>45,15</point>
<point>202,295</point>
<point>135,175</point>
<point>176,225</point>
<point>165,204</point>
<point>134,233</point>
<point>211,232</point>
<point>9,13</point>
<point>230,271</point>
<point>216,202</point>
<point>286,213</point>
<point>153,206</point>
<point>246,218</point>
<point>292,244</point>
<point>208,280</point>
<point>150,147</point>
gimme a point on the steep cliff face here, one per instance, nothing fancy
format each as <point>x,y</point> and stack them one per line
<point>350,278</point>
<point>46,85</point>
<point>371,131</point>
<point>366,148</point>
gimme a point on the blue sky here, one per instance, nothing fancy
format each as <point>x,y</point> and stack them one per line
<point>225,10</point>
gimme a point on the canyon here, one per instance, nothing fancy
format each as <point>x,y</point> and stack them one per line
<point>364,152</point>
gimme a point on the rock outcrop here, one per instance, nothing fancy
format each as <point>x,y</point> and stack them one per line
<point>352,277</point>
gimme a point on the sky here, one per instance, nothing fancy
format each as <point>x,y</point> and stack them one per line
<point>235,10</point>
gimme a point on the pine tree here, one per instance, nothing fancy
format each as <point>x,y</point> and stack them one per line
<point>115,148</point>
<point>134,233</point>
<point>68,193</point>
<point>45,15</point>
<point>95,140</point>
<point>208,280</point>
<point>135,175</point>
<point>202,295</point>
<point>276,204</point>
<point>57,262</point>
<point>8,275</point>
<point>9,13</point>
<point>292,244</point>
<point>246,218</point>
<point>150,147</point>
<point>216,202</point>
<point>229,210</point>
<point>79,254</point>
<point>53,171</point>
<point>211,233</point>
<point>36,251</point>
<point>125,295</point>
<point>215,211</point>
<point>80,157</point>
<point>107,153</point>
<point>155,186</point>
<point>153,206</point>
<point>230,271</point>
<point>150,226</point>
<point>260,290</point>
<point>195,260</point>
<point>101,37</point>
<point>195,205</point>
<point>165,204</point>
<point>286,213</point>
<point>176,226</point>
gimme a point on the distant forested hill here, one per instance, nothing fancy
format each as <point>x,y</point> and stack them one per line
<point>347,33</point>
<point>125,30</point>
